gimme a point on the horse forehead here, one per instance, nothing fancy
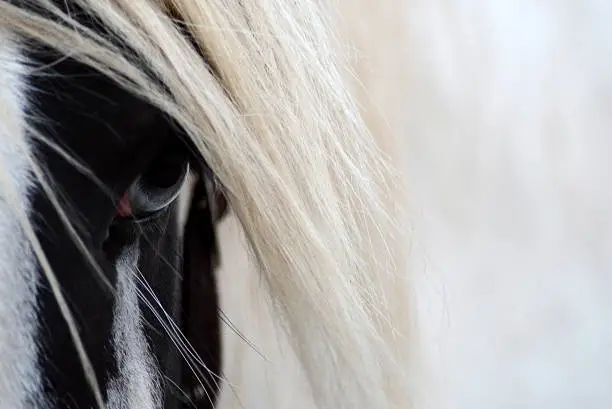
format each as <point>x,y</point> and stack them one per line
<point>86,112</point>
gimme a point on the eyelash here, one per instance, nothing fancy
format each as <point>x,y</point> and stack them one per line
<point>155,189</point>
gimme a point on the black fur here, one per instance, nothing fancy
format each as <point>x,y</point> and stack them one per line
<point>118,137</point>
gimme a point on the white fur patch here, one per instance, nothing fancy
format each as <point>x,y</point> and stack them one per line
<point>19,371</point>
<point>137,384</point>
<point>184,203</point>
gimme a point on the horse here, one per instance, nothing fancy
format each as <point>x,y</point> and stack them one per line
<point>128,127</point>
<point>416,193</point>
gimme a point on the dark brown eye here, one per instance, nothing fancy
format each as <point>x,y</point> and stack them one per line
<point>156,188</point>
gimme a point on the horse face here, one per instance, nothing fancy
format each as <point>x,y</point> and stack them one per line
<point>128,283</point>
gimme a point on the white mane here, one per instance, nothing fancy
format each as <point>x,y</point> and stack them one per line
<point>504,133</point>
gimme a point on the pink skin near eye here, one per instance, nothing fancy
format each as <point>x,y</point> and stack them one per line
<point>123,208</point>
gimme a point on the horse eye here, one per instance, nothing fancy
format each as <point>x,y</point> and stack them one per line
<point>158,186</point>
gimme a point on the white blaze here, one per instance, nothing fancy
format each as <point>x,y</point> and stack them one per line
<point>136,385</point>
<point>19,372</point>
